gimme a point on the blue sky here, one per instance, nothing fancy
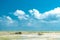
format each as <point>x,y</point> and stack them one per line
<point>36,15</point>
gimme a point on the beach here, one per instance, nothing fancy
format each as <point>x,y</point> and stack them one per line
<point>30,36</point>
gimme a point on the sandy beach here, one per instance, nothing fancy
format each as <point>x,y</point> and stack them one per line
<point>31,36</point>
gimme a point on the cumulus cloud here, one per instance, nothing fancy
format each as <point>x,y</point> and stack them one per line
<point>10,20</point>
<point>47,18</point>
<point>36,14</point>
<point>7,21</point>
<point>51,15</point>
<point>21,14</point>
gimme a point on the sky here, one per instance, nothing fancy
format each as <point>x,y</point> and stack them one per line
<point>30,15</point>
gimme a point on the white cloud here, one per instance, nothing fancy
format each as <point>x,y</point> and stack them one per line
<point>9,19</point>
<point>55,11</point>
<point>36,14</point>
<point>51,15</point>
<point>21,14</point>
